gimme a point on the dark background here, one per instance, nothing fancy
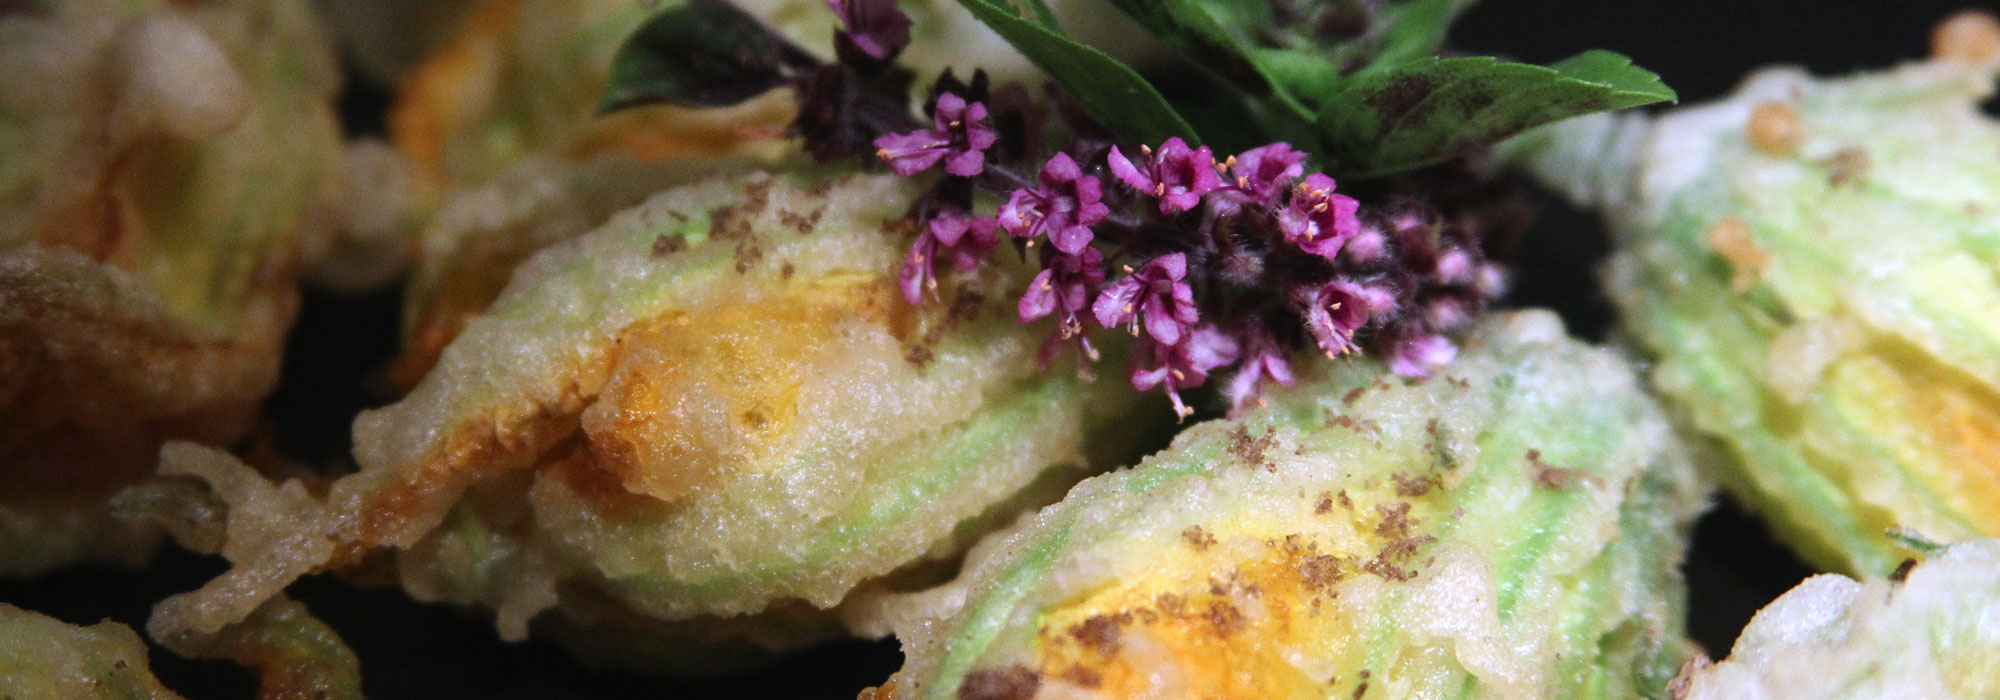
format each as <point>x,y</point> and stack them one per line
<point>409,650</point>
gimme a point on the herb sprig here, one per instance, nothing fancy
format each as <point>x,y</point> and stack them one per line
<point>1211,264</point>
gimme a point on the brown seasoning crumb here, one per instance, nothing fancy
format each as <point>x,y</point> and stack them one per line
<point>1731,239</point>
<point>1902,572</point>
<point>1198,538</point>
<point>1846,165</point>
<point>1226,619</point>
<point>1083,676</point>
<point>1099,633</point>
<point>1774,128</point>
<point>666,245</point>
<point>1012,683</point>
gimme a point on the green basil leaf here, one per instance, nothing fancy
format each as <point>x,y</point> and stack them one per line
<point>1289,65</point>
<point>1415,29</point>
<point>1110,91</point>
<point>699,54</point>
<point>1425,111</point>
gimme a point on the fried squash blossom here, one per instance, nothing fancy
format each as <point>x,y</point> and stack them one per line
<point>294,655</point>
<point>1509,528</point>
<point>1927,631</point>
<point>162,164</point>
<point>1813,264</point>
<point>715,406</point>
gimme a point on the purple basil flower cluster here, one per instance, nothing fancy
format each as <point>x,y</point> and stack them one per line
<point>1238,263</point>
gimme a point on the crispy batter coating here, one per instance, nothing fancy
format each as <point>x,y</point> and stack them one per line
<point>1810,264</point>
<point>636,435</point>
<point>43,657</point>
<point>1924,632</point>
<point>1364,536</point>
<point>479,236</point>
<point>163,163</point>
<point>295,657</point>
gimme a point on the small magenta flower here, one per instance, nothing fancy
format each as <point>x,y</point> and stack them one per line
<point>1336,310</point>
<point>1175,174</point>
<point>959,135</point>
<point>1063,288</point>
<point>1064,204</point>
<point>1317,220</point>
<point>1263,173</point>
<point>1182,365</point>
<point>1263,360</point>
<point>1420,354</point>
<point>951,235</point>
<point>1155,294</point>
<point>875,26</point>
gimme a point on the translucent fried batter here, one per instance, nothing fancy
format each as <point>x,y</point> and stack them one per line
<point>295,656</point>
<point>480,235</point>
<point>1924,632</point>
<point>714,405</point>
<point>1811,262</point>
<point>43,657</point>
<point>1509,529</point>
<point>162,164</point>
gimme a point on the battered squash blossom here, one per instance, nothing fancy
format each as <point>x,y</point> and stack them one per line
<point>686,438</point>
<point>165,167</point>
<point>673,431</point>
<point>1811,263</point>
<point>1925,631</point>
<point>1509,528</point>
<point>293,654</point>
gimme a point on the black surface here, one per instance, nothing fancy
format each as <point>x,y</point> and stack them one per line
<point>410,650</point>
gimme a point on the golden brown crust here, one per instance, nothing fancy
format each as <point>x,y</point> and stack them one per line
<point>86,380</point>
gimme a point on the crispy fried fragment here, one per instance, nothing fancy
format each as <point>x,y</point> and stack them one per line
<point>295,656</point>
<point>1413,587</point>
<point>165,163</point>
<point>1925,633</point>
<point>42,657</point>
<point>626,448</point>
<point>1825,317</point>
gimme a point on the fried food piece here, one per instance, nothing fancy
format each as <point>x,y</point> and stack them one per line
<point>715,404</point>
<point>523,78</point>
<point>294,655</point>
<point>1924,632</point>
<point>1811,261</point>
<point>43,657</point>
<point>162,164</point>
<point>469,251</point>
<point>1510,529</point>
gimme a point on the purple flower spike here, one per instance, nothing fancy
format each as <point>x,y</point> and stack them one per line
<point>1262,173</point>
<point>952,235</point>
<point>1064,204</point>
<point>1182,365</point>
<point>875,26</point>
<point>1263,360</point>
<point>959,135</point>
<point>1175,174</point>
<point>1334,312</point>
<point>1154,294</point>
<point>1421,354</point>
<point>1317,220</point>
